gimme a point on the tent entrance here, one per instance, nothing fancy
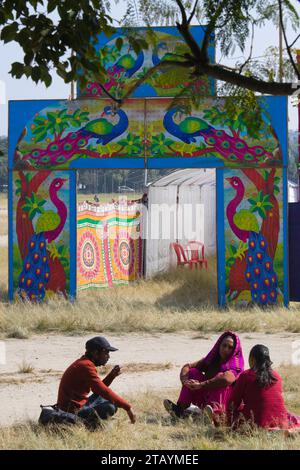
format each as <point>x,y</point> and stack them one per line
<point>181,210</point>
<point>128,221</point>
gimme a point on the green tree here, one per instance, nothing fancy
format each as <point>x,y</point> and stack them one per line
<point>55,34</point>
<point>293,156</point>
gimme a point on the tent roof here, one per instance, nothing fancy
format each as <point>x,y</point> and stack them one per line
<point>187,177</point>
<point>195,176</point>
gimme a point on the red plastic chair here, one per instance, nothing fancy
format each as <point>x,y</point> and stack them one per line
<point>181,258</point>
<point>195,248</point>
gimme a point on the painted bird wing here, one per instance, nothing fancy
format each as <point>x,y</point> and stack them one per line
<point>245,220</point>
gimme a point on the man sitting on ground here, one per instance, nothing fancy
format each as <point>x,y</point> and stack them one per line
<point>81,377</point>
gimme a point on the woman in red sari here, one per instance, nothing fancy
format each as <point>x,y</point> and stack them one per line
<point>257,395</point>
<point>207,383</point>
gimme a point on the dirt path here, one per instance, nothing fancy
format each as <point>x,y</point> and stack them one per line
<point>22,393</point>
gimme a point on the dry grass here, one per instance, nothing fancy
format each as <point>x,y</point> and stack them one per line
<point>138,367</point>
<point>33,375</point>
<point>181,300</point>
<point>154,430</point>
<point>3,274</point>
<point>25,368</point>
<point>3,214</point>
<point>17,332</point>
<point>28,374</point>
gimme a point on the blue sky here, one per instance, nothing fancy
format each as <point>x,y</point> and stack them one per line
<point>13,89</point>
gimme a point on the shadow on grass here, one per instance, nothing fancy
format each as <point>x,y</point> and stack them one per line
<point>190,289</point>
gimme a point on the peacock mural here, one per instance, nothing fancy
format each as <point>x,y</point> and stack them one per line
<point>41,240</point>
<point>117,74</point>
<point>228,144</point>
<point>254,241</point>
<point>57,136</point>
<point>62,150</point>
<point>127,64</point>
<point>124,67</point>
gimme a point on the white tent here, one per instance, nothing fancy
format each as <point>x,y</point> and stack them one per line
<point>181,207</point>
<point>292,191</point>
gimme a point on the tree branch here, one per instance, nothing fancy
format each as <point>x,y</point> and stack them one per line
<point>291,45</point>
<point>255,177</point>
<point>183,13</point>
<point>286,41</point>
<point>210,28</point>
<point>193,12</point>
<point>251,50</point>
<point>270,88</point>
<point>184,30</point>
<point>38,179</point>
<point>117,100</point>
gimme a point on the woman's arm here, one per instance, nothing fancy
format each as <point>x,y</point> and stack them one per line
<point>237,393</point>
<point>219,381</point>
<point>184,373</point>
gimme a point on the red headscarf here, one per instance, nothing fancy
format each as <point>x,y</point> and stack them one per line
<point>235,362</point>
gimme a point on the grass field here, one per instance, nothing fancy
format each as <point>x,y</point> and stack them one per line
<point>169,303</point>
<point>156,430</point>
<point>180,300</point>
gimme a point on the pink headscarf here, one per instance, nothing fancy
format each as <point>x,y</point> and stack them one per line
<point>235,362</point>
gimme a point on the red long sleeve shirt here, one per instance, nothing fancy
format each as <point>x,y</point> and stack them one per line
<point>78,380</point>
<point>265,406</point>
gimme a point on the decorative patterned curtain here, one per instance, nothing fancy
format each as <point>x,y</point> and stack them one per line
<point>109,244</point>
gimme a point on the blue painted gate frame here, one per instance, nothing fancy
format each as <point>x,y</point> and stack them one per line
<point>22,113</point>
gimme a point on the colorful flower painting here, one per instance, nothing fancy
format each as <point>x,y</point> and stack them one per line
<point>109,247</point>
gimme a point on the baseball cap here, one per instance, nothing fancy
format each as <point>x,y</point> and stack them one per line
<point>99,342</point>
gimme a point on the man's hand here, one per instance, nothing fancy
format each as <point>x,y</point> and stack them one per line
<point>117,370</point>
<point>131,415</point>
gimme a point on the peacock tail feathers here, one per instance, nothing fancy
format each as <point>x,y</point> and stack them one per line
<point>35,273</point>
<point>47,221</point>
<point>245,220</point>
<point>260,271</point>
<point>233,148</point>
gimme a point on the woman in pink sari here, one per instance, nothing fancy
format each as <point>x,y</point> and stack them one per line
<point>207,383</point>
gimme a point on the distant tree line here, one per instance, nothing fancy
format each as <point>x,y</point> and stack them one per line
<point>113,181</point>
<point>3,162</point>
<point>293,156</point>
